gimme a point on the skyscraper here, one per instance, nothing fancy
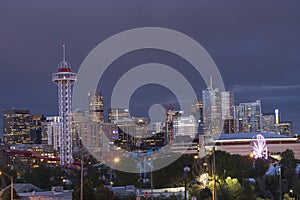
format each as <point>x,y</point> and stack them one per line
<point>197,112</point>
<point>227,99</point>
<point>132,128</point>
<point>171,115</point>
<point>268,122</point>
<point>87,131</point>
<point>64,78</point>
<point>53,128</point>
<point>212,111</point>
<point>36,128</point>
<point>16,126</point>
<point>116,114</point>
<point>96,106</point>
<point>185,126</point>
<point>140,127</point>
<point>248,117</point>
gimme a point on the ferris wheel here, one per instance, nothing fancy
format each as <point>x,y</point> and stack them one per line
<point>258,147</point>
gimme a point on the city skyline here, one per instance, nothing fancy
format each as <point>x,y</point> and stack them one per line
<point>256,54</point>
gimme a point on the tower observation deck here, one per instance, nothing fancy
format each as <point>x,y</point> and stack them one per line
<point>64,78</point>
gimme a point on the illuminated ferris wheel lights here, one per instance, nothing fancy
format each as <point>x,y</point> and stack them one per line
<point>258,147</point>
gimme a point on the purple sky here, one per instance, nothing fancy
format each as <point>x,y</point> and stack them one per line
<point>255,44</point>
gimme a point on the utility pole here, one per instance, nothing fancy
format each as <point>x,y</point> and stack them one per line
<point>214,174</point>
<point>186,170</point>
<point>11,184</point>
<point>151,176</point>
<point>81,176</point>
<point>11,187</point>
<point>280,183</point>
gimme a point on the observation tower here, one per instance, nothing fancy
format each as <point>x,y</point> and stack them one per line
<point>64,78</point>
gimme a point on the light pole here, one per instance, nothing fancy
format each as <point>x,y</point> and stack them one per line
<point>243,171</point>
<point>152,197</point>
<point>11,184</point>
<point>186,170</point>
<point>214,175</point>
<point>279,170</point>
<point>291,195</point>
<point>150,165</point>
<point>81,177</point>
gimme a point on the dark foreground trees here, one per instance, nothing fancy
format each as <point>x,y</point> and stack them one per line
<point>6,194</point>
<point>88,191</point>
<point>101,192</point>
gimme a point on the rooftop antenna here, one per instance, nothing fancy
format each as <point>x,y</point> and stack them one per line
<point>64,52</point>
<point>211,81</point>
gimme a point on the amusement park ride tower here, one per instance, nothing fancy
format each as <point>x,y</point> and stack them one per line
<point>64,78</point>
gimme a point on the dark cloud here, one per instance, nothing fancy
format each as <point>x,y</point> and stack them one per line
<point>254,43</point>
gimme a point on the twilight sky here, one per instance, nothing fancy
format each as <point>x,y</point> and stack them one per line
<point>255,44</point>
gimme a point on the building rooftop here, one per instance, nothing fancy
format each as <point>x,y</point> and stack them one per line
<point>64,195</point>
<point>22,187</point>
<point>249,135</point>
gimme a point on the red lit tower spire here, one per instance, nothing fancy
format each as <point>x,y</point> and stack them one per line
<point>64,78</point>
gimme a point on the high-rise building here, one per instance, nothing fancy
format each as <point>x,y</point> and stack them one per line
<point>96,106</point>
<point>284,128</point>
<point>36,128</point>
<point>64,78</point>
<point>87,131</point>
<point>185,126</point>
<point>44,132</point>
<point>197,112</point>
<point>53,129</point>
<point>227,100</point>
<point>110,134</point>
<point>171,115</point>
<point>268,122</point>
<point>248,117</point>
<point>16,126</point>
<point>157,127</point>
<point>132,129</point>
<point>140,127</point>
<point>116,114</point>
<point>212,111</point>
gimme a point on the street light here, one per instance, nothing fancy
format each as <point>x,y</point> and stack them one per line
<point>186,170</point>
<point>292,195</point>
<point>204,167</point>
<point>11,184</point>
<point>117,160</point>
